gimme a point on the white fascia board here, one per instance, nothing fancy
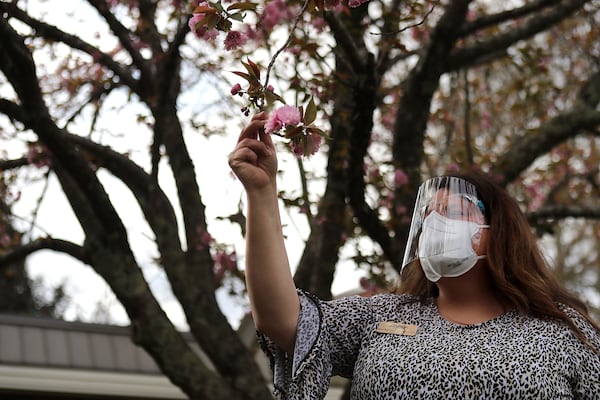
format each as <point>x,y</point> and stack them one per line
<point>72,381</point>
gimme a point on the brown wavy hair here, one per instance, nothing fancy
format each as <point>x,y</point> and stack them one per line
<point>520,273</point>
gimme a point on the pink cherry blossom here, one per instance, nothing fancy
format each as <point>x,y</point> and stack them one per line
<point>307,146</point>
<point>201,31</point>
<point>234,39</point>
<point>274,13</point>
<point>356,3</point>
<point>452,168</point>
<point>297,149</point>
<point>235,89</point>
<point>196,18</point>
<point>400,178</point>
<point>313,143</point>
<point>286,115</point>
<point>368,286</point>
<point>228,261</point>
<point>319,24</point>
<point>204,239</point>
<point>5,240</point>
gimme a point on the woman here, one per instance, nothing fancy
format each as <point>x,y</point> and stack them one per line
<point>478,314</point>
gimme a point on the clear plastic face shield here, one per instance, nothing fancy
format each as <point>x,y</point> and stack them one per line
<point>445,230</point>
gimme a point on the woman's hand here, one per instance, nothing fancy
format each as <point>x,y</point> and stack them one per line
<point>254,160</point>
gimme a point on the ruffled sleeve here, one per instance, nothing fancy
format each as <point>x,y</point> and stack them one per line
<point>327,343</point>
<point>586,357</point>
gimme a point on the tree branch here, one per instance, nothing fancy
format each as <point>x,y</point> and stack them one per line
<point>124,36</point>
<point>349,52</point>
<point>392,19</point>
<point>563,211</point>
<point>95,97</point>
<point>54,34</point>
<point>188,286</point>
<point>582,118</point>
<point>498,43</point>
<point>17,64</point>
<point>59,245</point>
<point>147,29</point>
<point>5,165</point>
<point>12,110</point>
<point>488,21</point>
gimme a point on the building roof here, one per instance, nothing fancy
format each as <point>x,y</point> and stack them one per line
<point>44,355</point>
<point>38,341</point>
<point>45,358</point>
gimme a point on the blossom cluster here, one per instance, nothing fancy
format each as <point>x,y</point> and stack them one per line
<point>208,19</point>
<point>305,139</point>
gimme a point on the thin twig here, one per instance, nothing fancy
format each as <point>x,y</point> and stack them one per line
<point>286,44</point>
<point>421,22</point>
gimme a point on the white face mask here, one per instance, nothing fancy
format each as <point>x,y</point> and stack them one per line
<point>446,246</point>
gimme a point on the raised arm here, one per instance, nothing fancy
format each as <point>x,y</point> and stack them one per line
<point>273,299</point>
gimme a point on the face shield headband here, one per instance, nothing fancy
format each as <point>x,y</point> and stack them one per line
<point>447,210</point>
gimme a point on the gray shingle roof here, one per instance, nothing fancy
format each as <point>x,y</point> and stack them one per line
<point>35,341</point>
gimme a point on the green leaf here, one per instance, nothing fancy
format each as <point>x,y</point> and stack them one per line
<point>211,21</point>
<point>204,10</point>
<point>244,5</point>
<point>224,25</point>
<point>293,131</point>
<point>237,17</point>
<point>311,112</point>
<point>217,5</point>
<point>272,97</point>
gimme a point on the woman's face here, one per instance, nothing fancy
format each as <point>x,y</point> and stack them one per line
<point>461,206</point>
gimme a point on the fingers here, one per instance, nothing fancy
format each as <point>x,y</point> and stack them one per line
<point>262,135</point>
<point>257,147</point>
<point>255,129</point>
<point>260,115</point>
<point>266,138</point>
<point>240,156</point>
<point>253,143</point>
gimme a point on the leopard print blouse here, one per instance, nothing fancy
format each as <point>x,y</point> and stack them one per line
<point>509,357</point>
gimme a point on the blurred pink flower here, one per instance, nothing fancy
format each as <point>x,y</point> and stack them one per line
<point>452,168</point>
<point>5,240</point>
<point>313,143</point>
<point>37,155</point>
<point>286,115</point>
<point>400,178</point>
<point>201,31</point>
<point>234,39</point>
<point>307,145</point>
<point>297,149</point>
<point>196,18</point>
<point>204,239</point>
<point>401,210</point>
<point>227,261</point>
<point>356,3</point>
<point>368,286</point>
<point>319,24</point>
<point>486,121</point>
<point>235,89</point>
<point>273,13</point>
<point>373,173</point>
<point>252,33</point>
